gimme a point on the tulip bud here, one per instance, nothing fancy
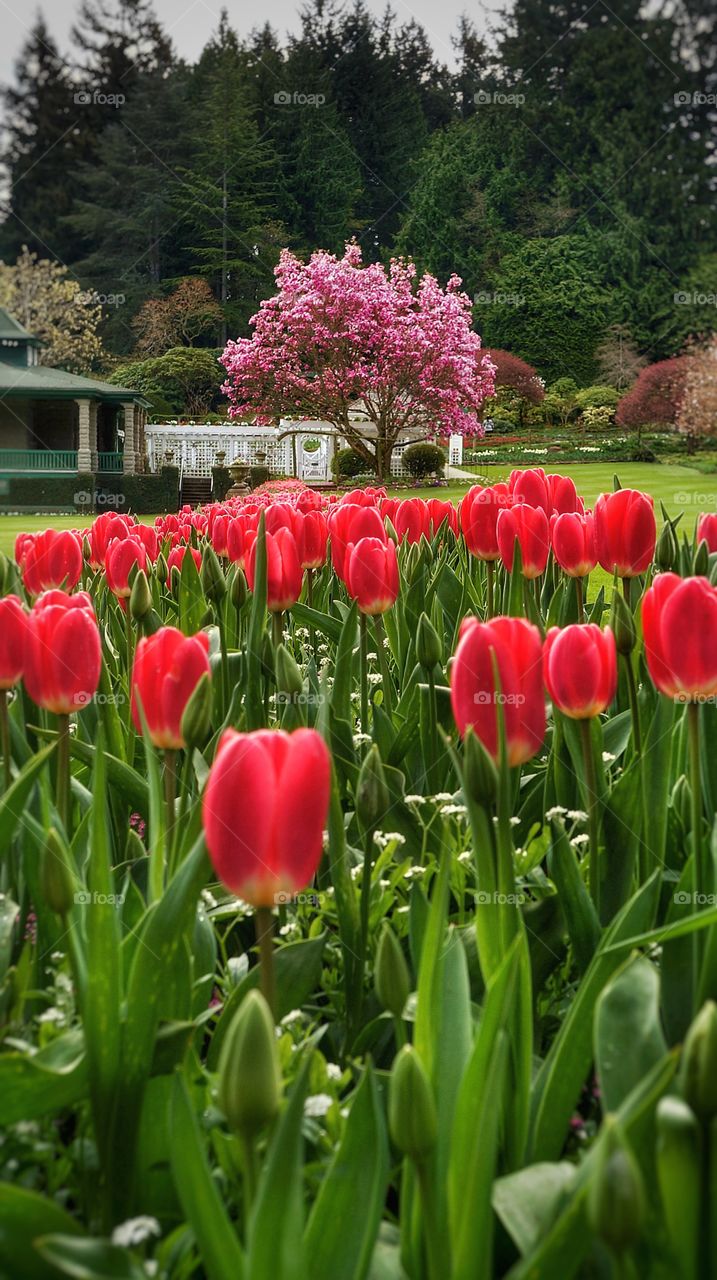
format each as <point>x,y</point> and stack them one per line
<point>161,569</point>
<point>140,601</point>
<point>480,776</point>
<point>698,1073</point>
<point>666,548</point>
<point>679,1165</point>
<point>616,1197</point>
<point>393,982</point>
<point>249,1074</point>
<point>56,878</point>
<point>86,549</point>
<point>622,624</point>
<point>196,721</point>
<point>239,589</point>
<point>412,1118</point>
<point>681,800</point>
<point>213,581</point>
<point>428,644</point>
<point>372,798</point>
<point>289,679</point>
<point>701,562</point>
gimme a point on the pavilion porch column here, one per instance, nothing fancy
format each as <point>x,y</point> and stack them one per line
<point>130,455</point>
<point>86,436</point>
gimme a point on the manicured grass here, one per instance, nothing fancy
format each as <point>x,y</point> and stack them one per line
<point>11,526</point>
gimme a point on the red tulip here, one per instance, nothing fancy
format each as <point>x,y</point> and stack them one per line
<point>679,624</point>
<point>443,515</point>
<point>284,576</point>
<point>218,532</point>
<point>573,539</point>
<point>147,535</point>
<point>264,810</point>
<point>529,526</point>
<point>63,654</point>
<point>479,511</point>
<point>411,520</point>
<point>368,497</point>
<point>625,531</point>
<point>350,523</point>
<point>312,534</point>
<point>121,557</point>
<point>52,559</point>
<point>563,495</point>
<point>707,531</point>
<point>532,488</point>
<point>106,527</point>
<point>175,559</point>
<point>580,669</point>
<point>13,638</point>
<point>371,574</point>
<point>280,515</point>
<point>517,648</point>
<point>239,536</point>
<point>167,669</point>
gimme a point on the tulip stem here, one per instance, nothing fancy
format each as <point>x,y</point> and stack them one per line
<point>264,923</point>
<point>436,1269</point>
<point>693,726</point>
<point>363,671</point>
<point>593,810</point>
<point>490,587</point>
<point>5,734</point>
<point>380,634</point>
<point>248,1147</point>
<point>63,770</point>
<point>130,639</point>
<point>579,594</point>
<point>634,705</point>
<point>277,623</point>
<point>170,796</point>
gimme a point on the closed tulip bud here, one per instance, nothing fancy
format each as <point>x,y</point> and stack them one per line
<point>429,650</point>
<point>625,531</point>
<point>480,776</point>
<point>701,562</point>
<point>513,646</point>
<point>63,653</point>
<point>580,669</point>
<point>161,569</point>
<point>86,549</point>
<point>372,798</point>
<point>666,548</point>
<point>249,1074</point>
<point>393,982</point>
<point>56,878</point>
<point>197,718</point>
<point>167,669</point>
<point>140,601</point>
<point>698,1072</point>
<point>679,1171</point>
<point>616,1198</point>
<point>622,624</point>
<point>212,578</point>
<point>707,530</point>
<point>239,590</point>
<point>289,679</point>
<point>679,616</point>
<point>412,1118</point>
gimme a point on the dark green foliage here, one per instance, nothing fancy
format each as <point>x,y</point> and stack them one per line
<point>347,463</point>
<point>221,483</point>
<point>258,475</point>
<point>424,459</point>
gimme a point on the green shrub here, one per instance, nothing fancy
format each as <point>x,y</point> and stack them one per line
<point>150,494</point>
<point>597,397</point>
<point>424,459</point>
<point>69,493</point>
<point>258,475</point>
<point>221,483</point>
<point>183,380</point>
<point>346,463</point>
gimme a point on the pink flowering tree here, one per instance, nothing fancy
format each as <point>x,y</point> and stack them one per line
<point>337,333</point>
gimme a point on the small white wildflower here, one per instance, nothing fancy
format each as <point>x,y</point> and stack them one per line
<point>414,871</point>
<point>294,1015</point>
<point>318,1104</point>
<point>465,856</point>
<point>374,677</point>
<point>608,757</point>
<point>135,1230</point>
<point>449,810</point>
<point>57,956</point>
<point>333,1071</point>
<point>557,811</point>
<point>415,799</point>
<point>442,797</point>
<point>208,898</point>
<point>515,822</point>
<point>356,872</point>
<point>286,930</point>
<point>581,839</point>
<point>51,1015</point>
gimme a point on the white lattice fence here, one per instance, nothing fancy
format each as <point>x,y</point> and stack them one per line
<point>195,448</point>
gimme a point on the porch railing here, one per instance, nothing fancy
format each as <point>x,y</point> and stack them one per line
<point>38,460</point>
<point>110,461</point>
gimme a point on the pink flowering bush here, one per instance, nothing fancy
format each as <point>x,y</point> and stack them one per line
<point>338,331</point>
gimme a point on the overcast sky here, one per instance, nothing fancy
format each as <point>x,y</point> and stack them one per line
<point>190,22</point>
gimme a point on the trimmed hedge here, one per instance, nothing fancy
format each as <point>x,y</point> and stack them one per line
<point>221,483</point>
<point>423,459</point>
<point>88,493</point>
<point>346,463</point>
<point>151,495</point>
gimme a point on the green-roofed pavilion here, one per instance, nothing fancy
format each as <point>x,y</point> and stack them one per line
<point>54,421</point>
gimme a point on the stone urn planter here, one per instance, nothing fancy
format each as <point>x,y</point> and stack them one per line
<point>239,472</point>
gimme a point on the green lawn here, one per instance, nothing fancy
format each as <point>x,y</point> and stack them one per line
<point>681,489</point>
